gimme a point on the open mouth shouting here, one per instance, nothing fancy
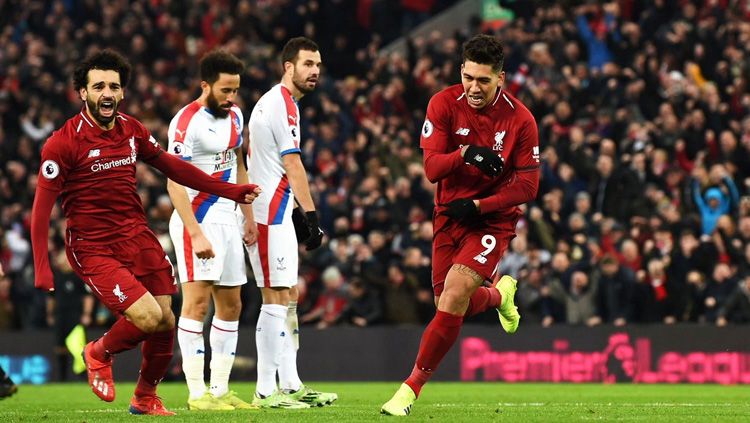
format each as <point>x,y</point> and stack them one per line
<point>475,100</point>
<point>107,108</point>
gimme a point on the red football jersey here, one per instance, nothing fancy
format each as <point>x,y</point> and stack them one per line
<point>505,125</point>
<point>94,170</point>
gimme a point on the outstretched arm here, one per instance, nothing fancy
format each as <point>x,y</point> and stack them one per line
<point>181,202</point>
<point>734,195</point>
<point>44,200</point>
<point>698,198</point>
<point>583,28</point>
<point>188,175</point>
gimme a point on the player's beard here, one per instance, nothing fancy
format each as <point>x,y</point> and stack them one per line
<point>304,85</point>
<point>95,110</point>
<point>216,109</point>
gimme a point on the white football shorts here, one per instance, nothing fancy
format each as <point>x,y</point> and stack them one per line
<point>226,268</point>
<point>274,257</point>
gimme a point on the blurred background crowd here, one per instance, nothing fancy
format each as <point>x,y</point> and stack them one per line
<point>643,108</point>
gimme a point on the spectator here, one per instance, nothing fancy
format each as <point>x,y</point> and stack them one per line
<point>401,304</point>
<point>332,301</point>
<point>715,203</point>
<point>612,189</point>
<point>616,284</point>
<point>579,300</point>
<point>553,309</point>
<point>627,114</point>
<point>529,296</point>
<point>594,29</point>
<point>364,307</point>
<point>718,290</point>
<point>515,259</point>
<point>417,267</point>
<point>736,309</point>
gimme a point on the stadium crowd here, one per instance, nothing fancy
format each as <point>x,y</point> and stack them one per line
<point>643,109</point>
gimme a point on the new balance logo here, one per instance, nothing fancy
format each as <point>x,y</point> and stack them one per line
<point>94,153</point>
<point>535,153</point>
<point>480,258</point>
<point>462,131</point>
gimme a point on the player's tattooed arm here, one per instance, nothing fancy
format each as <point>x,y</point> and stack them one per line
<point>468,271</point>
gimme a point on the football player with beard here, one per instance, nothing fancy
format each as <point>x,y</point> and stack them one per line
<point>275,161</point>
<point>91,162</point>
<point>207,234</point>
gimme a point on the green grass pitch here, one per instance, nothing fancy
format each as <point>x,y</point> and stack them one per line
<point>450,402</point>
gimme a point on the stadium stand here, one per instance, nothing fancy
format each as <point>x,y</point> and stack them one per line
<point>643,213</point>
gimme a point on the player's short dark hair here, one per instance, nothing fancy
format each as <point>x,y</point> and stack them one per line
<point>219,61</point>
<point>106,59</point>
<point>293,47</point>
<point>485,50</point>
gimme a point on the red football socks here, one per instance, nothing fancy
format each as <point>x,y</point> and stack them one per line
<point>157,354</point>
<point>483,299</point>
<point>437,339</point>
<point>122,336</point>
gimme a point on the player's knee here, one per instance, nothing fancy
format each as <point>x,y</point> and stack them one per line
<point>167,321</point>
<point>275,296</point>
<point>230,310</point>
<point>149,321</point>
<point>195,310</point>
<point>453,298</point>
<point>449,296</point>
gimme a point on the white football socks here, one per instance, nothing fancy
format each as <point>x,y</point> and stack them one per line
<point>223,338</point>
<point>288,377</point>
<point>292,323</point>
<point>190,339</point>
<point>270,336</point>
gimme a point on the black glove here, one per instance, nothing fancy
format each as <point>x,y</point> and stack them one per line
<point>485,159</point>
<point>300,225</point>
<point>316,234</point>
<point>461,209</point>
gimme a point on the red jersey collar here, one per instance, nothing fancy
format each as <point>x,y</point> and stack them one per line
<point>491,106</point>
<point>89,125</point>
